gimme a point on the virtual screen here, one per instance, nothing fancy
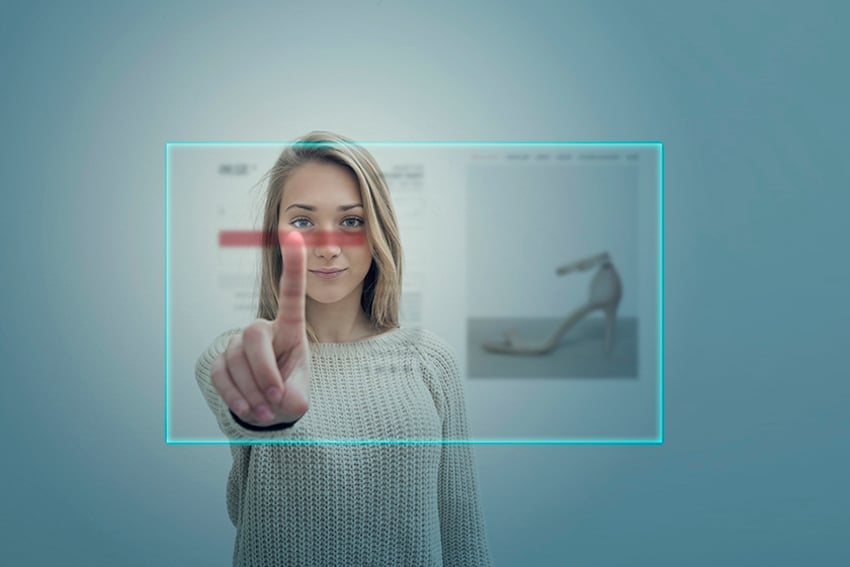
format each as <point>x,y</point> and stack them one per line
<point>538,263</point>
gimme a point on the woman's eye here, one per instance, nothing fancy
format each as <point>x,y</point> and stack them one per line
<point>300,223</point>
<point>353,222</point>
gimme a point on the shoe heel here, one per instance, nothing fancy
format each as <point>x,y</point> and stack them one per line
<point>610,323</point>
<point>606,290</point>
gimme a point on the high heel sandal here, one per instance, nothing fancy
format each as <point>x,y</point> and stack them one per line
<point>605,293</point>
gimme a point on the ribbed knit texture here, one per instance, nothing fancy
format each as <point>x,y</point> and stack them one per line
<point>393,505</point>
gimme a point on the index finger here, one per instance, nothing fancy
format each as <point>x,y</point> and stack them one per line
<point>293,280</point>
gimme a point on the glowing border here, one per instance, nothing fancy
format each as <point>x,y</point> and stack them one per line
<point>658,440</point>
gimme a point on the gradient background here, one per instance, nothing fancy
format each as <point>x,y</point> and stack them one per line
<point>750,99</point>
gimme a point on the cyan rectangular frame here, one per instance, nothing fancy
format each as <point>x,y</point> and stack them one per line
<point>658,439</point>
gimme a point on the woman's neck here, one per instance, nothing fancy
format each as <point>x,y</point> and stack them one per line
<point>340,322</point>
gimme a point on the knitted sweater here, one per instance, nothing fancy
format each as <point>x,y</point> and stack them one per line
<point>359,504</point>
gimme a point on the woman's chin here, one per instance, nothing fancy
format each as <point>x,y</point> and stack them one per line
<point>326,301</point>
<point>326,298</point>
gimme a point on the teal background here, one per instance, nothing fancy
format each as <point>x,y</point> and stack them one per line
<point>749,98</point>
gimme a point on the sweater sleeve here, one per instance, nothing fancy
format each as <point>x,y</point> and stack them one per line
<point>227,421</point>
<point>462,526</point>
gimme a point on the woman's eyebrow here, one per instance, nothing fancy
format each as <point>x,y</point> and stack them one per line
<point>305,207</point>
<point>312,208</point>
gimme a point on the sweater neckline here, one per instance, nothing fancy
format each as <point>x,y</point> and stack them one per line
<point>385,338</point>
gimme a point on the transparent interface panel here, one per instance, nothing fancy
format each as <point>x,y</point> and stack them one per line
<point>540,264</point>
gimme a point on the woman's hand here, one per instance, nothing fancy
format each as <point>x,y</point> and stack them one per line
<point>264,374</point>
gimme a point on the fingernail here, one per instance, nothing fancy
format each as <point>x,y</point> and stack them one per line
<point>264,413</point>
<point>274,394</point>
<point>240,408</point>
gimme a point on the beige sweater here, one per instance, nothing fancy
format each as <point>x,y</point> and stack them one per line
<point>362,503</point>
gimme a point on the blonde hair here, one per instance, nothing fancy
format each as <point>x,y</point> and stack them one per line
<point>382,285</point>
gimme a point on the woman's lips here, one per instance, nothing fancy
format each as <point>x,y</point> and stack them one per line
<point>328,275</point>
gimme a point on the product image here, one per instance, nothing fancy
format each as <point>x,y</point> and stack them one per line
<point>605,293</point>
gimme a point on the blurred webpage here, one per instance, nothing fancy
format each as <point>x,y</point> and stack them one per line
<point>483,228</point>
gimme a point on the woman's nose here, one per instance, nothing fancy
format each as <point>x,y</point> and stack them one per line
<point>327,243</point>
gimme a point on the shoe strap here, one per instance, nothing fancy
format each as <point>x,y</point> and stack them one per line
<point>584,264</point>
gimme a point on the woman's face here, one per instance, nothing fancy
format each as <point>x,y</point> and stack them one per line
<point>322,201</point>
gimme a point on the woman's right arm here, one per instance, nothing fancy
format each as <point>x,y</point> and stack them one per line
<point>256,380</point>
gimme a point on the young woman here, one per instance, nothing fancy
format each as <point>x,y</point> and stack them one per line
<point>326,360</point>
